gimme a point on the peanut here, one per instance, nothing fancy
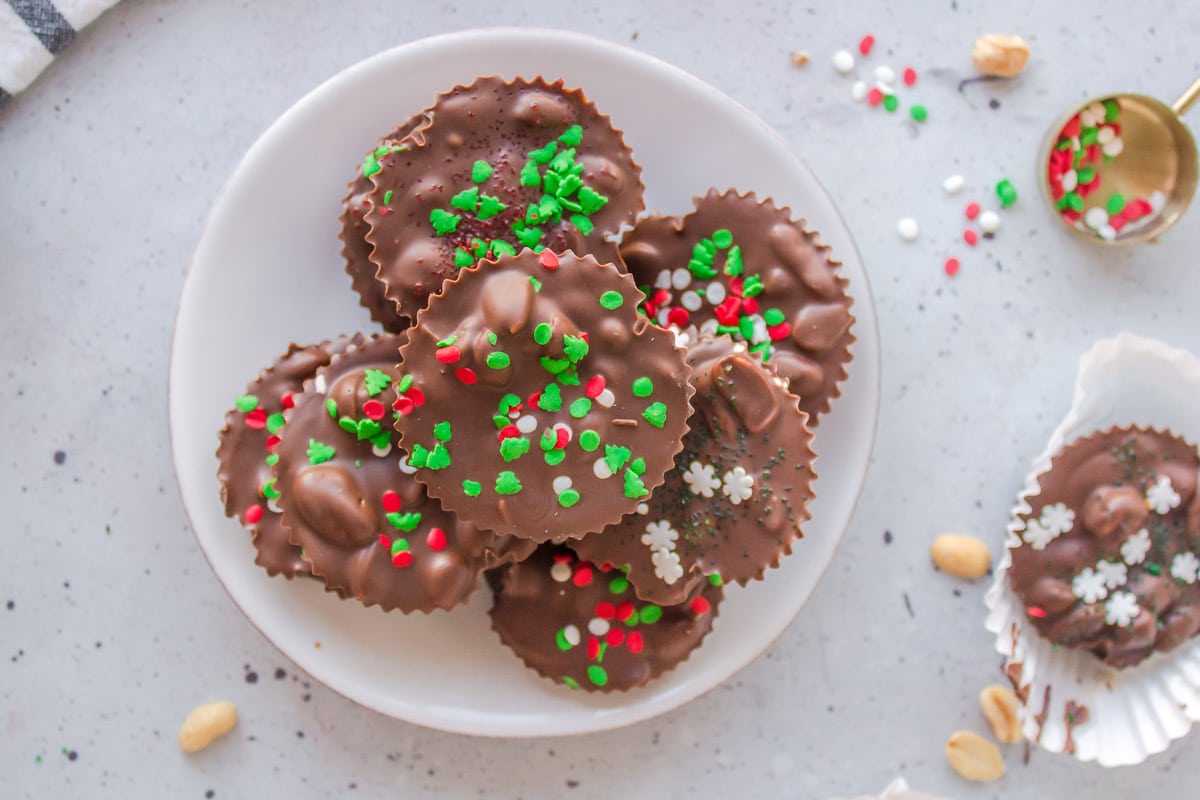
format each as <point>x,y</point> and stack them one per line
<point>974,757</point>
<point>799,58</point>
<point>1000,55</point>
<point>963,556</point>
<point>205,724</point>
<point>1000,706</point>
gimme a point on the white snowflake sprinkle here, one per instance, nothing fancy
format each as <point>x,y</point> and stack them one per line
<point>1134,550</point>
<point>1184,567</point>
<point>739,485</point>
<point>1057,518</point>
<point>666,566</point>
<point>1089,586</point>
<point>1037,535</point>
<point>1121,609</point>
<point>660,535</point>
<point>1162,497</point>
<point>701,479</point>
<point>1114,573</point>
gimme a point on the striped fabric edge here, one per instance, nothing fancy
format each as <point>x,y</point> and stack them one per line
<point>46,23</point>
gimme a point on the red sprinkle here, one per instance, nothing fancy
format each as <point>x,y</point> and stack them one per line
<point>910,76</point>
<point>507,432</point>
<point>466,375</point>
<point>605,610</point>
<point>256,419</point>
<point>735,287</point>
<point>549,260</point>
<point>448,355</point>
<point>874,97</point>
<point>593,648</point>
<point>1071,129</point>
<point>402,559</point>
<point>288,400</point>
<point>583,575</point>
<point>780,331</point>
<point>750,305</point>
<point>1036,612</point>
<point>700,606</point>
<point>384,541</point>
<point>634,642</point>
<point>272,442</point>
<point>972,210</point>
<point>594,387</point>
<point>661,298</point>
<point>436,540</point>
<point>625,611</point>
<point>252,514</point>
<point>615,637</point>
<point>404,405</point>
<point>562,558</point>
<point>564,438</point>
<point>416,395</point>
<point>865,44</point>
<point>952,266</point>
<point>678,316</point>
<point>391,502</point>
<point>970,237</point>
<point>374,409</point>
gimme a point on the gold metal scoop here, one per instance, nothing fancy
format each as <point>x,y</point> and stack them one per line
<point>1145,180</point>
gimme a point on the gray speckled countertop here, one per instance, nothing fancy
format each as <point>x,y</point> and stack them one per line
<point>115,626</point>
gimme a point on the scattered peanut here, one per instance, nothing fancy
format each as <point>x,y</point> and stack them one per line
<point>206,723</point>
<point>1000,55</point>
<point>964,556</point>
<point>974,757</point>
<point>799,58</point>
<point>1000,706</point>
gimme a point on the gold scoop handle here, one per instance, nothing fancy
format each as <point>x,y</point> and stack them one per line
<point>1187,99</point>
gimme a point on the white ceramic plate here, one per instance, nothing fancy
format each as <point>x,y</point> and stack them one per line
<point>268,271</point>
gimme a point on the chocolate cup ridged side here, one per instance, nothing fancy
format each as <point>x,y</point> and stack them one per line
<point>241,453</point>
<point>800,310</point>
<point>495,297</point>
<point>736,499</point>
<point>498,123</point>
<point>581,626</point>
<point>1109,551</point>
<point>356,252</point>
<point>368,529</point>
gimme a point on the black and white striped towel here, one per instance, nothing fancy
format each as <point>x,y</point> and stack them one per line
<point>33,32</point>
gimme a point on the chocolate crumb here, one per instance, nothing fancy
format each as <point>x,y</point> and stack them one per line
<point>280,673</point>
<point>210,793</point>
<point>251,677</point>
<point>59,456</point>
<point>908,605</point>
<point>993,104</point>
<point>11,605</point>
<point>887,537</point>
<point>572,784</point>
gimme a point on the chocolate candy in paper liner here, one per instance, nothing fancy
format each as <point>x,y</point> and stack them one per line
<point>496,167</point>
<point>734,502</point>
<point>744,268</point>
<point>246,452</point>
<point>366,526</point>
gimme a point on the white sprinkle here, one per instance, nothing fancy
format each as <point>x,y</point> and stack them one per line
<point>598,627</point>
<point>885,74</point>
<point>571,633</point>
<point>908,229</point>
<point>561,573</point>
<point>1157,200</point>
<point>273,504</point>
<point>381,451</point>
<point>661,319</point>
<point>691,301</point>
<point>643,509</point>
<point>954,184</point>
<point>682,339</point>
<point>1113,148</point>
<point>527,423</point>
<point>561,483</point>
<point>859,91</point>
<point>601,470</point>
<point>405,467</point>
<point>989,222</point>
<point>319,383</point>
<point>664,280</point>
<point>1107,232</point>
<point>1070,180</point>
<point>1106,135</point>
<point>681,278</point>
<point>843,62</point>
<point>715,293</point>
<point>709,326</point>
<point>1095,217</point>
<point>606,398</point>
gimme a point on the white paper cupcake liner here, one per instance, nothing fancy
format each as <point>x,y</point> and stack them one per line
<point>1136,712</point>
<point>896,790</point>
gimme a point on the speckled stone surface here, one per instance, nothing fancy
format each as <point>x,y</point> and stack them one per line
<point>115,627</point>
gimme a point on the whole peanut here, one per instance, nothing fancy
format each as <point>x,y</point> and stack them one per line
<point>964,556</point>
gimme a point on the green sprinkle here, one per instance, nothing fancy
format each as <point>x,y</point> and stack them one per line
<point>584,224</point>
<point>597,675</point>
<point>246,403</point>
<point>651,614</point>
<point>569,681</point>
<point>1112,110</point>
<point>331,407</point>
<point>638,465</point>
<point>272,459</point>
<point>1089,136</point>
<point>746,328</point>
<point>701,271</point>
<point>399,546</point>
<point>568,377</point>
<point>1116,202</point>
<point>467,199</point>
<point>404,521</point>
<point>722,238</point>
<point>498,360</point>
<point>404,384</point>
<point>370,165</point>
<point>319,452</point>
<point>551,182</point>
<point>269,491</point>
<point>502,248</point>
<point>568,186</point>
<point>634,487</point>
<point>441,431</point>
<point>572,136</point>
<point>543,154</point>
<point>376,381</point>
<point>611,300</point>
<point>274,423</point>
<point>633,619</point>
<point>564,161</point>
<point>1086,175</point>
<point>575,347</point>
<point>580,408</point>
<point>591,201</point>
<point>542,333</point>
<point>773,317</point>
<point>589,440</point>
<point>443,221</point>
<point>387,197</point>
<point>490,207</point>
<point>481,171</point>
<point>716,580</point>
<point>733,262</point>
<point>618,585</point>
<point>568,498</point>
<point>367,429</point>
<point>554,365</point>
<point>753,286</point>
<point>472,488</point>
<point>1154,569</point>
<point>507,483</point>
<point>508,402</point>
<point>918,113</point>
<point>1074,201</point>
<point>513,448</point>
<point>615,456</point>
<point>891,102</point>
<point>439,457</point>
<point>462,258</point>
<point>501,421</point>
<point>528,237</point>
<point>1006,192</point>
<point>549,439</point>
<point>551,399</point>
<point>530,175</point>
<point>560,639</point>
<point>419,456</point>
<point>554,457</point>
<point>643,387</point>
